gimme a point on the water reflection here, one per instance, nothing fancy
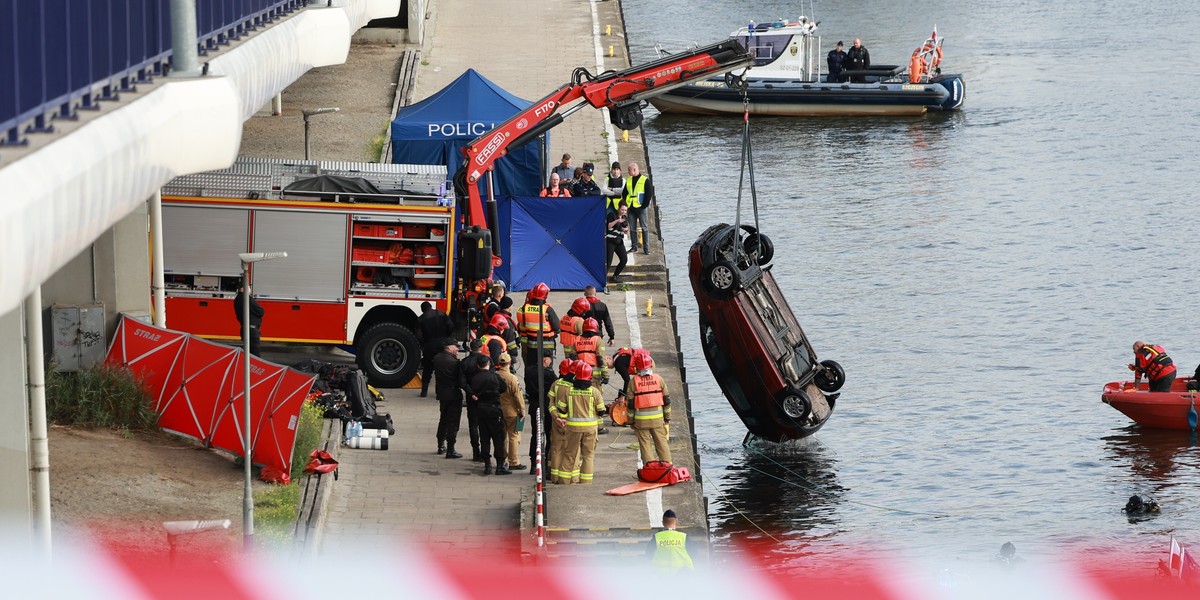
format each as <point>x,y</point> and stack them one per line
<point>779,498</point>
<point>1152,456</point>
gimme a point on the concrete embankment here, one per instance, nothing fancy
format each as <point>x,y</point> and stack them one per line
<point>409,491</point>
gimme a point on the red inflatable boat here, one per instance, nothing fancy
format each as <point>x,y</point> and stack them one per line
<point>1159,410</point>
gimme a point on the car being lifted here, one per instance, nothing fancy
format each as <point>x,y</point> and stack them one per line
<point>756,349</point>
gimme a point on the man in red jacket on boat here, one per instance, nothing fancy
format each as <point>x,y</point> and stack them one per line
<point>1153,361</point>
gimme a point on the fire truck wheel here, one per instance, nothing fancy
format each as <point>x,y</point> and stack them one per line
<point>389,354</point>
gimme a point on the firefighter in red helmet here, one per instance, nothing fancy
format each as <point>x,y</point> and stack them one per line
<point>536,321</point>
<point>571,325</point>
<point>650,405</point>
<point>576,410</point>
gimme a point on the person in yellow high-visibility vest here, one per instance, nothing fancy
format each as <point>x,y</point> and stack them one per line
<point>576,410</point>
<point>650,405</point>
<point>637,195</point>
<point>670,547</point>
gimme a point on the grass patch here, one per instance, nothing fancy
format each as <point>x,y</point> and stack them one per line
<point>375,148</point>
<point>103,396</point>
<point>276,507</point>
<point>308,436</point>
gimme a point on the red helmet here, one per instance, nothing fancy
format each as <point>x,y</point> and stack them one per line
<point>575,365</point>
<point>581,306</point>
<point>592,325</point>
<point>541,291</point>
<point>583,371</point>
<point>640,361</point>
<point>500,322</point>
<point>564,367</point>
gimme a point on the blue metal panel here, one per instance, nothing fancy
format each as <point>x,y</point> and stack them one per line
<point>10,57</point>
<point>118,23</point>
<point>100,44</point>
<point>30,66</point>
<point>57,44</point>
<point>79,31</point>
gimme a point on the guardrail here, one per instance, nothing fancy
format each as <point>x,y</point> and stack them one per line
<point>63,56</point>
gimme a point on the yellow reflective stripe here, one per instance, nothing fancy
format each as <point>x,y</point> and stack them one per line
<point>647,417</point>
<point>585,476</point>
<point>587,423</point>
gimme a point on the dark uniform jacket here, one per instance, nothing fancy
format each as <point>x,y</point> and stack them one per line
<point>487,387</point>
<point>448,376</point>
<point>256,310</point>
<point>858,58</point>
<point>531,385</point>
<point>600,313</point>
<point>433,327</point>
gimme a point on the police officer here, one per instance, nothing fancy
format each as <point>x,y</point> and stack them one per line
<point>472,364</point>
<point>650,407</point>
<point>670,547</point>
<point>486,388</point>
<point>836,58</point>
<point>578,410</point>
<point>433,327</point>
<point>448,392</point>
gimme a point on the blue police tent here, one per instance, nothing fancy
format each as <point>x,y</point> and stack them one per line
<point>434,131</point>
<point>559,241</point>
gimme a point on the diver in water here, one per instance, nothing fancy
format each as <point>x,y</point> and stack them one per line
<point>1007,558</point>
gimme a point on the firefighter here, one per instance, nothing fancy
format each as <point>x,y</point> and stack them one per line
<point>535,316</point>
<point>493,340</point>
<point>512,409</point>
<point>510,334</point>
<point>486,388</point>
<point>619,363</point>
<point>588,349</point>
<point>449,394</point>
<point>558,433</point>
<point>577,409</point>
<point>571,325</point>
<point>651,408</point>
<point>1152,360</point>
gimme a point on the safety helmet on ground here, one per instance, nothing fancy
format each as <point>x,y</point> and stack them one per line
<point>583,372</point>
<point>581,306</point>
<point>565,367</point>
<point>541,291</point>
<point>592,325</point>
<point>499,322</point>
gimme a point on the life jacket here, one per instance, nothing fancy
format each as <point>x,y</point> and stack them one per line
<point>916,67</point>
<point>586,348</point>
<point>566,334</point>
<point>558,192</point>
<point>647,396</point>
<point>670,551</point>
<point>1156,362</point>
<point>529,322</point>
<point>487,340</point>
<point>634,191</point>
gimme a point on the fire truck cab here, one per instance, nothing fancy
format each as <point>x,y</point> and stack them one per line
<point>367,244</point>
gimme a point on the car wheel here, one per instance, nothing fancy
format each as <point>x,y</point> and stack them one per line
<point>760,247</point>
<point>721,279</point>
<point>389,354</point>
<point>794,404</point>
<point>831,378</point>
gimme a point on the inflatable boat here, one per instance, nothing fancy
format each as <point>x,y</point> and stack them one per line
<point>1159,410</point>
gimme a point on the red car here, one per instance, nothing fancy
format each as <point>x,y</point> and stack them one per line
<point>754,345</point>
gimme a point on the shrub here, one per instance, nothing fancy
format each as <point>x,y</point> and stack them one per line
<point>102,396</point>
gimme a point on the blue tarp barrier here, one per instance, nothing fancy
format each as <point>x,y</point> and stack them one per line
<point>434,131</point>
<point>559,241</point>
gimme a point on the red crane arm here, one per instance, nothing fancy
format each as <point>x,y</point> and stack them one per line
<point>621,91</point>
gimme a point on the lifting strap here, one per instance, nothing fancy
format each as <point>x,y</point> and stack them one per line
<point>747,168</point>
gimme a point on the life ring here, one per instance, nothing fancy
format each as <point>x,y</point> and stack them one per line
<point>916,67</point>
<point>365,274</point>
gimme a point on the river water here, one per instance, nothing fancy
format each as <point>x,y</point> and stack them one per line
<point>980,276</point>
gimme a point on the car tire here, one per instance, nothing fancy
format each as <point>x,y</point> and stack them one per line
<point>388,353</point>
<point>721,279</point>
<point>760,244</point>
<point>794,404</point>
<point>831,378</point>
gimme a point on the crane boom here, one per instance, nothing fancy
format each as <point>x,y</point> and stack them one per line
<point>620,91</point>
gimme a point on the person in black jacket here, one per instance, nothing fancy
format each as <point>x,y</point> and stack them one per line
<point>486,387</point>
<point>536,398</point>
<point>614,239</point>
<point>449,394</point>
<point>256,315</point>
<point>836,58</point>
<point>586,186</point>
<point>600,313</point>
<point>433,327</point>
<point>858,58</point>
<point>472,364</point>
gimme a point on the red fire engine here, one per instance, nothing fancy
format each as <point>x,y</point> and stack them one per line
<point>367,243</point>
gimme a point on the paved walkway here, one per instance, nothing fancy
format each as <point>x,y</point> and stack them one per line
<point>409,491</point>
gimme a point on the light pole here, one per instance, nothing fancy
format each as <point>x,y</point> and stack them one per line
<point>308,113</point>
<point>247,493</point>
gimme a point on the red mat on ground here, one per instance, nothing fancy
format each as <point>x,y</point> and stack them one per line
<point>634,488</point>
<point>197,390</point>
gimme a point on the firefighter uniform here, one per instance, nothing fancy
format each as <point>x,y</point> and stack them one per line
<point>580,406</point>
<point>558,434</point>
<point>587,349</point>
<point>570,328</point>
<point>512,409</point>
<point>533,317</point>
<point>650,406</point>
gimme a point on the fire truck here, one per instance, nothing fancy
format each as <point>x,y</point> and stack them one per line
<point>368,243</point>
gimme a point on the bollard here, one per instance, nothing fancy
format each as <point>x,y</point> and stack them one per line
<point>650,306</point>
<point>608,30</point>
<point>610,51</point>
<point>624,135</point>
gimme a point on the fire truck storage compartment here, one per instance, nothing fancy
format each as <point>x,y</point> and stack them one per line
<point>399,256</point>
<point>315,267</point>
<point>201,258</point>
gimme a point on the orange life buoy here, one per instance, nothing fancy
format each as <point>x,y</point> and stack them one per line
<point>916,67</point>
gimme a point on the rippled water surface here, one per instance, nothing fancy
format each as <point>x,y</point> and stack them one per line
<point>980,275</point>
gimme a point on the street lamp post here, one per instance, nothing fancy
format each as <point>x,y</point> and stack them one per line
<point>308,113</point>
<point>247,455</point>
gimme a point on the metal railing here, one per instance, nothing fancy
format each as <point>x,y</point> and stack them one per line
<point>63,56</point>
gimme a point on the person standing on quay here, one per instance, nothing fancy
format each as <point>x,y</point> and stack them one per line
<point>639,195</point>
<point>486,388</point>
<point>433,327</point>
<point>578,410</point>
<point>256,315</point>
<point>448,392</point>
<point>512,409</point>
<point>647,396</point>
